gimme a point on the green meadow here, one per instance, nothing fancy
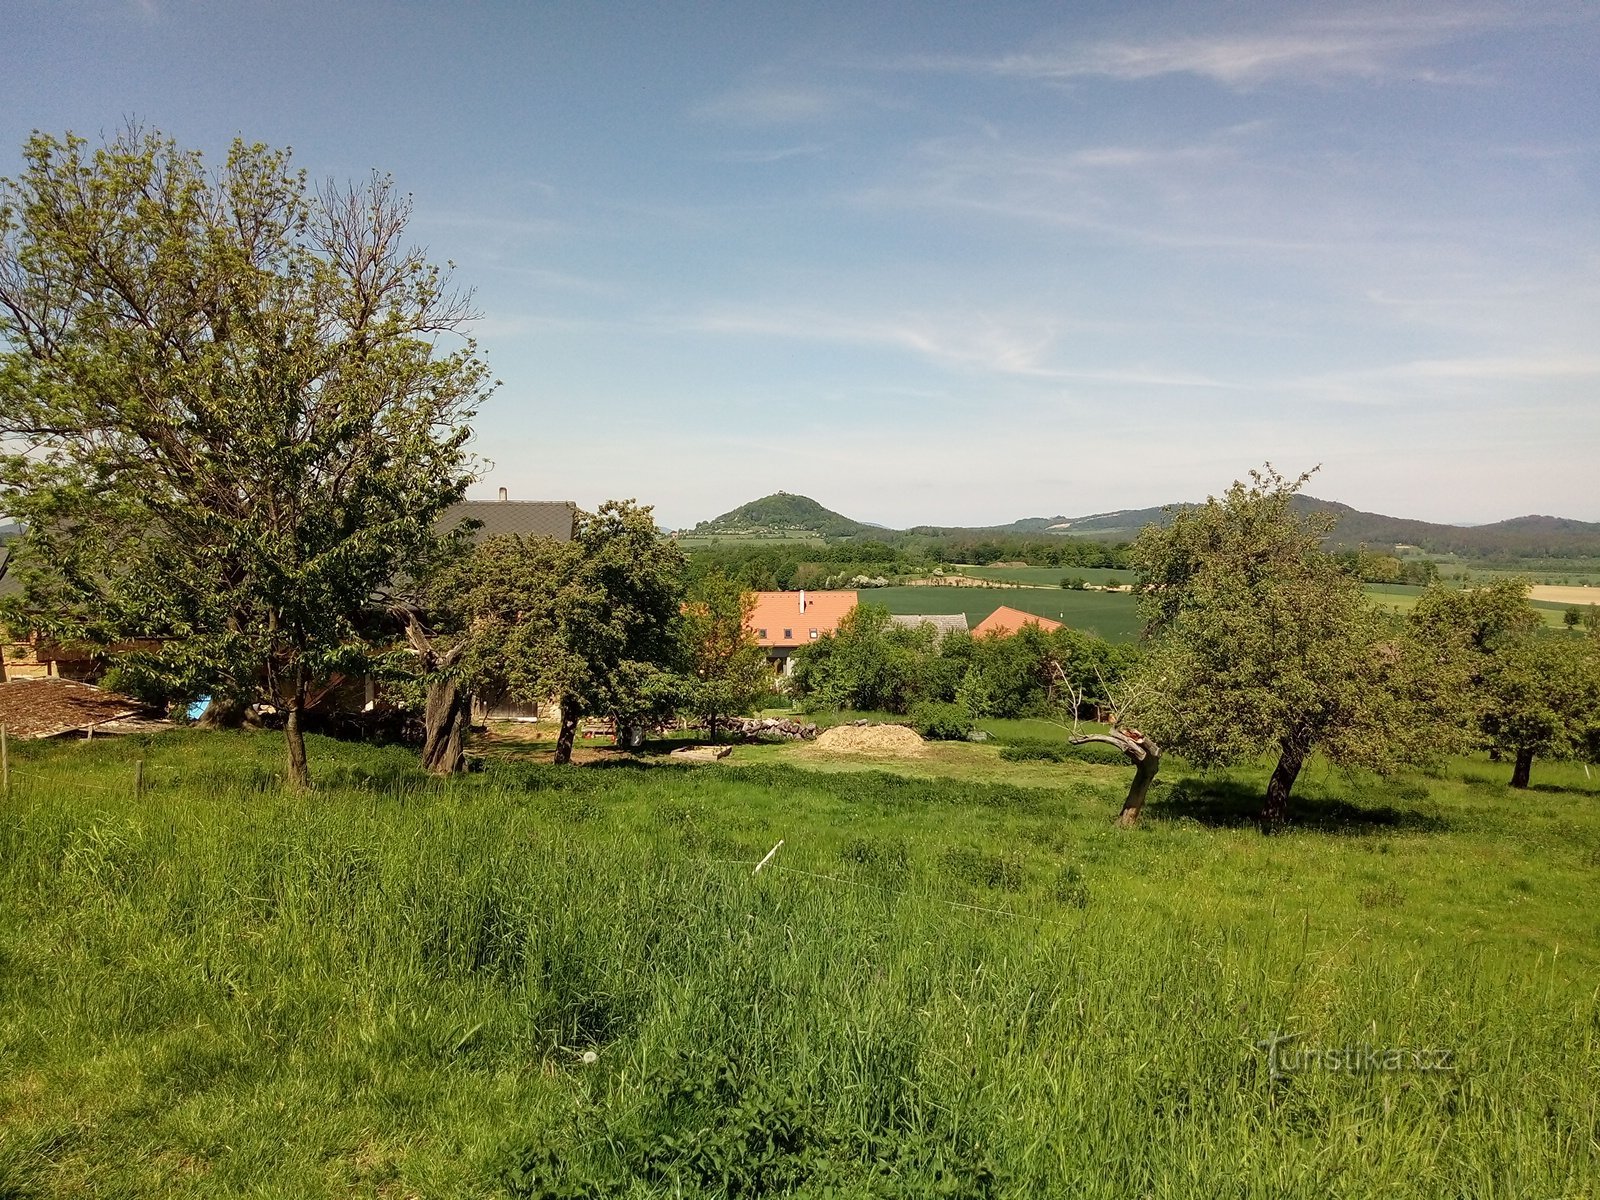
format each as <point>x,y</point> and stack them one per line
<point>1402,598</point>
<point>954,978</point>
<point>1110,615</point>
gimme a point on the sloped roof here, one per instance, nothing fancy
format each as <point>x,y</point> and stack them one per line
<point>1006,620</point>
<point>778,611</point>
<point>943,622</point>
<point>527,518</point>
<point>33,708</point>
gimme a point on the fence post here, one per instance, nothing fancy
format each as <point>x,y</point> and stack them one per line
<point>5,763</point>
<point>138,779</point>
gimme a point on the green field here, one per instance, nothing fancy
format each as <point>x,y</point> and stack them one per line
<point>1402,598</point>
<point>558,982</point>
<point>1111,615</point>
<point>1572,572</point>
<point>1049,576</point>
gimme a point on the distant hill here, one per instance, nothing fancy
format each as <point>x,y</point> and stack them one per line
<point>782,513</point>
<point>1519,537</point>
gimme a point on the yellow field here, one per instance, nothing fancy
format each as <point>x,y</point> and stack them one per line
<point>1551,594</point>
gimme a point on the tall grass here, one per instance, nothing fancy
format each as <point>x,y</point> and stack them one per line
<point>562,982</point>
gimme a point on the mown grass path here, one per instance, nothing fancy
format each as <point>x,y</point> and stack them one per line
<point>561,982</point>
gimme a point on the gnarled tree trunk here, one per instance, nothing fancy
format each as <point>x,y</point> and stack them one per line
<point>569,731</point>
<point>224,712</point>
<point>447,710</point>
<point>446,717</point>
<point>1145,756</point>
<point>1523,767</point>
<point>1275,808</point>
<point>294,734</point>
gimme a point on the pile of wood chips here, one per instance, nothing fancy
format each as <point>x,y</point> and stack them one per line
<point>884,741</point>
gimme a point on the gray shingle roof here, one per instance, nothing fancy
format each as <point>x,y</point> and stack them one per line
<point>943,622</point>
<point>529,518</point>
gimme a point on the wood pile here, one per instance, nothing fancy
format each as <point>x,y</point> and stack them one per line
<point>755,727</point>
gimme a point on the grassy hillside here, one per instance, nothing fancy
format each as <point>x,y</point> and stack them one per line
<point>539,982</point>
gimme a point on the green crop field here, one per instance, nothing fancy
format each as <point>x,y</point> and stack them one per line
<point>1049,576</point>
<point>1111,615</point>
<point>1402,598</point>
<point>561,982</point>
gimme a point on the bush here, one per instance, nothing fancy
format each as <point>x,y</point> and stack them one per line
<point>941,722</point>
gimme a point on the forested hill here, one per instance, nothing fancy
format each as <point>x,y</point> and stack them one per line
<point>1519,537</point>
<point>782,513</point>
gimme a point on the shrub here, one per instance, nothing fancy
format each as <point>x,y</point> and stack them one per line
<point>941,722</point>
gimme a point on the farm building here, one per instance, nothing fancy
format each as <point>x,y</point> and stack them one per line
<point>1005,621</point>
<point>785,621</point>
<point>527,518</point>
<point>942,623</point>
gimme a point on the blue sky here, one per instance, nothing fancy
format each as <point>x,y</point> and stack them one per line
<point>947,263</point>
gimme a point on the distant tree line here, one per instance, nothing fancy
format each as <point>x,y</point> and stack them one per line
<point>787,566</point>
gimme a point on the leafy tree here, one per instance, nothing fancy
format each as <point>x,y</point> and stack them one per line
<point>591,622</point>
<point>1530,693</point>
<point>1261,642</point>
<point>727,669</point>
<point>871,662</point>
<point>1572,617</point>
<point>1035,672</point>
<point>225,416</point>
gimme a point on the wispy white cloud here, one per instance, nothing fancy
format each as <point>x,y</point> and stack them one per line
<point>1434,386</point>
<point>999,344</point>
<point>1362,44</point>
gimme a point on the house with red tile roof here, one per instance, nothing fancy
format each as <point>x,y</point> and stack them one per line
<point>1005,621</point>
<point>785,621</point>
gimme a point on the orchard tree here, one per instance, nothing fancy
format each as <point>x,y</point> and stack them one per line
<point>1530,694</point>
<point>592,622</point>
<point>226,415</point>
<point>726,668</point>
<point>1261,642</point>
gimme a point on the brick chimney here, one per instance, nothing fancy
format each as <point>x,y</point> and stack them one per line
<point>503,496</point>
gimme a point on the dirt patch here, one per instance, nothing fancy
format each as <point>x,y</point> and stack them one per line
<point>700,753</point>
<point>885,741</point>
